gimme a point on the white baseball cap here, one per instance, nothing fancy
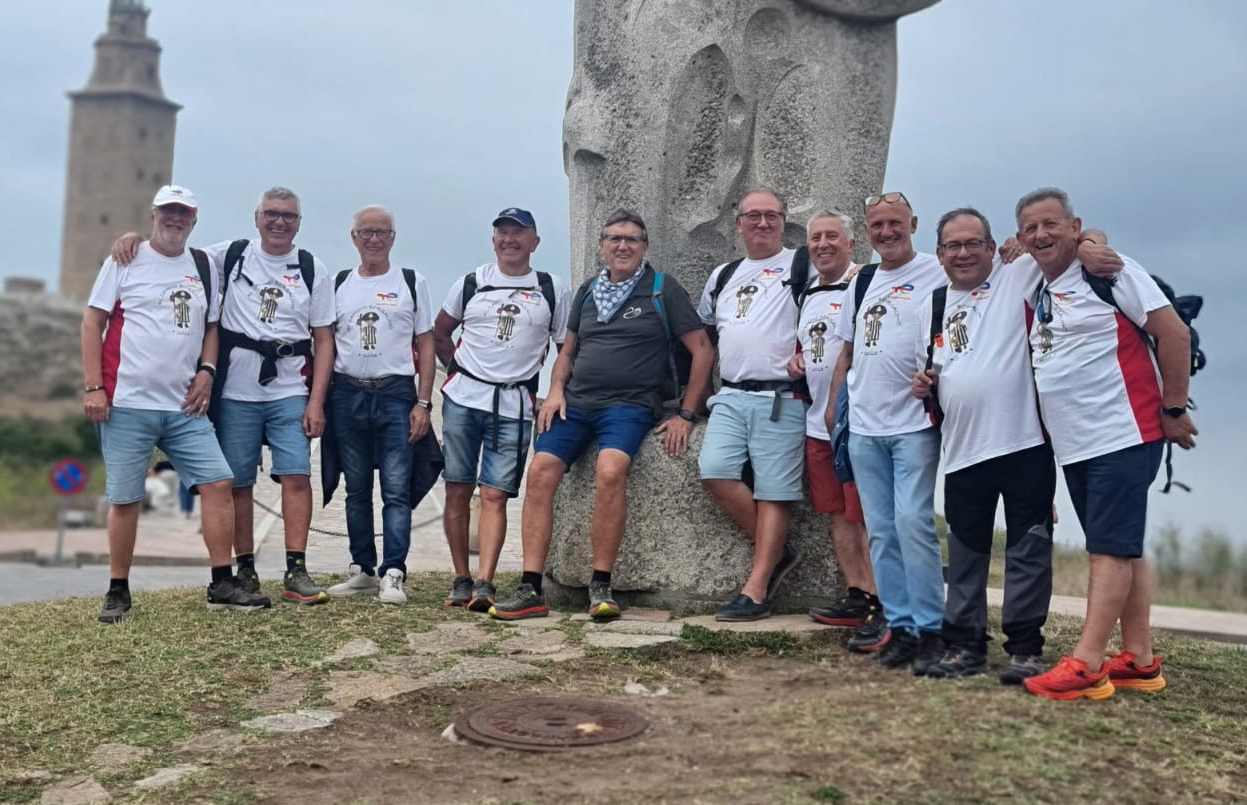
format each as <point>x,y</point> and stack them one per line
<point>175,194</point>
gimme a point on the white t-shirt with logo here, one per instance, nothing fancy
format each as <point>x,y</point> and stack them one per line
<point>1099,388</point>
<point>155,328</point>
<point>266,301</point>
<point>985,385</point>
<point>504,336</point>
<point>883,333</point>
<point>377,322</point>
<point>756,317</point>
<point>821,348</point>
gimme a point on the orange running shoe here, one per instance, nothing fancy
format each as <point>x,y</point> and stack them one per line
<point>1071,680</point>
<point>1128,674</point>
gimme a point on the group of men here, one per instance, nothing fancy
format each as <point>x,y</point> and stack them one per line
<point>873,367</point>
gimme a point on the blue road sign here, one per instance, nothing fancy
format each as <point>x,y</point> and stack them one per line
<point>68,477</point>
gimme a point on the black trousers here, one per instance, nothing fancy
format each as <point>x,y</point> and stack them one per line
<point>1026,480</point>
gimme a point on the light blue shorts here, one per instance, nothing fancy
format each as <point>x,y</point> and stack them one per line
<point>242,426</point>
<point>468,434</point>
<point>740,429</point>
<point>128,436</point>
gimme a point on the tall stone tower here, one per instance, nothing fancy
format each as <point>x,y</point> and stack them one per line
<point>120,146</point>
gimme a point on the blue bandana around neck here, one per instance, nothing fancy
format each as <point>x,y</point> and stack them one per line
<point>609,296</point>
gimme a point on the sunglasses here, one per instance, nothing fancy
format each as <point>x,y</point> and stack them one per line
<point>891,198</point>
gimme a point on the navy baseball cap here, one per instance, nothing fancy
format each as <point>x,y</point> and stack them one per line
<point>516,216</point>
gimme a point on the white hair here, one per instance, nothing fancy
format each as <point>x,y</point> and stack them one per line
<point>278,192</point>
<point>362,211</point>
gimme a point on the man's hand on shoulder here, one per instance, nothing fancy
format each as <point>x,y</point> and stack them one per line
<point>675,431</point>
<point>1094,253</point>
<point>125,248</point>
<point>1011,250</point>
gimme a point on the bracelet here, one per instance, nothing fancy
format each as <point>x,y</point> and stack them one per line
<point>90,389</point>
<point>207,367</point>
<point>425,404</point>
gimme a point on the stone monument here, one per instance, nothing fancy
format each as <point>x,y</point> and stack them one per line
<point>675,108</point>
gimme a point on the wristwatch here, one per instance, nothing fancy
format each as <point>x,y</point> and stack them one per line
<point>686,415</point>
<point>1174,411</point>
<point>425,404</point>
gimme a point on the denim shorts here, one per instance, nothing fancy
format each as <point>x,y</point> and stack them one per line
<point>617,427</point>
<point>243,425</point>
<point>740,429</point>
<point>1109,494</point>
<point>468,434</point>
<point>128,436</point>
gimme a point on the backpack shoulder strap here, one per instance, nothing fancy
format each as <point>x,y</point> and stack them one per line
<point>799,275</point>
<point>307,267</point>
<point>409,277</point>
<point>232,255</point>
<point>939,299</point>
<point>658,303</point>
<point>721,281</point>
<point>546,283</point>
<point>863,284</point>
<point>341,278</point>
<point>1102,287</point>
<point>470,284</point>
<point>205,276</point>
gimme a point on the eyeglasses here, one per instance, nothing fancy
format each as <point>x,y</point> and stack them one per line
<point>890,198</point>
<point>369,234</point>
<point>756,217</point>
<point>273,215</point>
<point>631,240</point>
<point>955,246</point>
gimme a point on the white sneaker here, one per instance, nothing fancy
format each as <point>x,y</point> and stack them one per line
<point>357,583</point>
<point>392,587</point>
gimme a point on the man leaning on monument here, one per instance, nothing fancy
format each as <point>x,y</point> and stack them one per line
<point>607,385</point>
<point>149,345</point>
<point>507,314</point>
<point>276,313</point>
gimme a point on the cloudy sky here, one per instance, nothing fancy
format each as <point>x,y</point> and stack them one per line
<point>447,112</point>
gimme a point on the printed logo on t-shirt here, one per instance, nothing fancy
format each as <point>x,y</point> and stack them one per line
<point>291,280</point>
<point>268,303</point>
<point>505,327</point>
<point>873,319</point>
<point>744,299</point>
<point>958,334</point>
<point>367,323</point>
<point>901,291</point>
<point>818,341</point>
<point>983,291</point>
<point>771,274</point>
<point>387,299</point>
<point>181,299</point>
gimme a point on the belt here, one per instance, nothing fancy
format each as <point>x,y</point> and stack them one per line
<point>270,351</point>
<point>369,383</point>
<point>529,385</point>
<point>776,386</point>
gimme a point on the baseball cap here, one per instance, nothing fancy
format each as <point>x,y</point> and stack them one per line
<point>514,214</point>
<point>175,194</point>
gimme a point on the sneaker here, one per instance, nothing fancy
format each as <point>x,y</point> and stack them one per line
<point>249,579</point>
<point>959,662</point>
<point>930,652</point>
<point>525,602</point>
<point>1129,675</point>
<point>900,651</point>
<point>300,589</point>
<point>357,582</point>
<point>483,595</point>
<point>460,592</point>
<point>1022,666</point>
<point>392,587</point>
<point>787,561</point>
<point>1071,680</point>
<point>602,604</point>
<point>848,611</point>
<point>873,634</point>
<point>743,608</point>
<point>229,593</point>
<point>116,605</point>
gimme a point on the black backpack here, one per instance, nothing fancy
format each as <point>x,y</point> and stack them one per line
<point>409,276</point>
<point>205,276</point>
<point>545,284</point>
<point>307,265</point>
<point>798,277</point>
<point>1187,308</point>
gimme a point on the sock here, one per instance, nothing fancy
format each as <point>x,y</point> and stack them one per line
<point>534,579</point>
<point>246,560</point>
<point>119,584</point>
<point>602,576</point>
<point>295,559</point>
<point>221,573</point>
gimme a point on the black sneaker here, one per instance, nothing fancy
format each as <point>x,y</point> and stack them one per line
<point>248,579</point>
<point>1022,666</point>
<point>116,605</point>
<point>298,588</point>
<point>524,602</point>
<point>900,651</point>
<point>229,593</point>
<point>743,608</point>
<point>930,652</point>
<point>460,592</point>
<point>959,662</point>
<point>848,611</point>
<point>873,634</point>
<point>787,561</point>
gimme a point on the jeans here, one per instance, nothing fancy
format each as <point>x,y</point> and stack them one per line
<point>128,436</point>
<point>896,482</point>
<point>372,427</point>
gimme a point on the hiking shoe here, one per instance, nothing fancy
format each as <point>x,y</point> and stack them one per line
<point>483,595</point>
<point>300,589</point>
<point>249,579</point>
<point>848,611</point>
<point>116,605</point>
<point>787,561</point>
<point>1071,680</point>
<point>1022,666</point>
<point>392,587</point>
<point>525,602</point>
<point>872,635</point>
<point>602,604</point>
<point>930,652</point>
<point>357,582</point>
<point>229,593</point>
<point>900,651</point>
<point>460,592</point>
<point>743,608</point>
<point>1127,674</point>
<point>957,663</point>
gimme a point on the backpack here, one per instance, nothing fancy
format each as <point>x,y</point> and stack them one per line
<point>307,265</point>
<point>409,277</point>
<point>205,276</point>
<point>1187,308</point>
<point>797,282</point>
<point>545,284</point>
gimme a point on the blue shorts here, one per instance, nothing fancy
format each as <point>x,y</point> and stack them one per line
<point>242,426</point>
<point>740,429</point>
<point>1110,496</point>
<point>468,434</point>
<point>128,436</point>
<point>618,427</point>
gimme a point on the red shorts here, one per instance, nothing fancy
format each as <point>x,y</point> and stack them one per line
<point>827,494</point>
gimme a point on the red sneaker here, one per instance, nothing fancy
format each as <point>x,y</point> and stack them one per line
<point>1128,674</point>
<point>1071,680</point>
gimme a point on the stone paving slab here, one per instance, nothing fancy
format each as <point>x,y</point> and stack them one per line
<point>775,623</point>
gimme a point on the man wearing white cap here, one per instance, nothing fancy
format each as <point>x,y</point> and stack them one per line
<point>149,346</point>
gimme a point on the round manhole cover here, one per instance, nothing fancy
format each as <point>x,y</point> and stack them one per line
<point>550,725</point>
